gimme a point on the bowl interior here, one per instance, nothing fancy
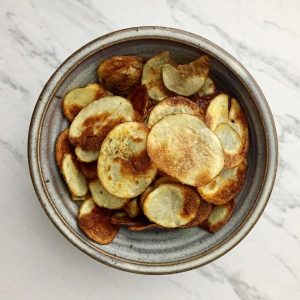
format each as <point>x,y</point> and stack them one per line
<point>158,247</point>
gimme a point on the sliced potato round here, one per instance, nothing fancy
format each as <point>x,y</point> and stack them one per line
<point>182,83</point>
<point>184,148</point>
<point>95,223</point>
<point>124,167</point>
<point>172,106</point>
<point>232,145</point>
<point>239,123</point>
<point>132,208</point>
<point>76,99</point>
<point>103,198</point>
<point>120,74</point>
<point>217,111</point>
<point>62,147</point>
<point>86,155</point>
<point>207,88</point>
<point>202,215</point>
<point>171,205</point>
<point>186,80</point>
<point>219,217</point>
<point>152,76</point>
<point>92,124</point>
<point>75,180</point>
<point>225,186</point>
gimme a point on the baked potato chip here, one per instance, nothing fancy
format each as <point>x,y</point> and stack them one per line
<point>143,226</point>
<point>95,223</point>
<point>103,198</point>
<point>122,218</point>
<point>89,170</point>
<point>86,155</point>
<point>239,123</point>
<point>225,186</point>
<point>172,106</point>
<point>132,208</point>
<point>124,166</point>
<point>152,76</point>
<point>76,99</point>
<point>139,99</point>
<point>184,148</point>
<point>202,215</point>
<point>93,122</point>
<point>232,145</point>
<point>62,147</point>
<point>219,217</point>
<point>171,205</point>
<point>217,111</point>
<point>121,74</point>
<point>186,80</point>
<point>74,179</point>
<point>207,88</point>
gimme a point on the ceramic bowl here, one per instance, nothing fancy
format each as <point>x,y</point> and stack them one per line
<point>163,251</point>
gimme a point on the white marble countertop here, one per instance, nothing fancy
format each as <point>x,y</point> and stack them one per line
<point>36,261</point>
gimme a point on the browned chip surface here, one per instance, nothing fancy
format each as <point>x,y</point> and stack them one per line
<point>203,213</point>
<point>95,222</point>
<point>219,216</point>
<point>62,147</point>
<point>89,170</point>
<point>120,74</point>
<point>139,100</point>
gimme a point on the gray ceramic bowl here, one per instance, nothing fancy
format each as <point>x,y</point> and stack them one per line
<point>164,251</point>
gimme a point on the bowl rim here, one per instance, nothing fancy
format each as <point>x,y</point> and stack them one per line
<point>154,32</point>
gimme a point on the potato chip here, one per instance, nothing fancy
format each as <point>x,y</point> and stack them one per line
<point>121,74</point>
<point>124,166</point>
<point>86,155</point>
<point>103,198</point>
<point>172,106</point>
<point>207,88</point>
<point>171,205</point>
<point>74,179</point>
<point>232,145</point>
<point>95,223</point>
<point>219,217</point>
<point>139,99</point>
<point>225,186</point>
<point>184,148</point>
<point>92,124</point>
<point>76,99</point>
<point>186,80</point>
<point>62,147</point>
<point>152,76</point>
<point>132,208</point>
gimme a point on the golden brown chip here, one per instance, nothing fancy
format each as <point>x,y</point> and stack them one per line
<point>75,180</point>
<point>232,145</point>
<point>152,76</point>
<point>171,205</point>
<point>139,100</point>
<point>62,147</point>
<point>120,74</point>
<point>225,186</point>
<point>207,88</point>
<point>219,217</point>
<point>76,99</point>
<point>173,106</point>
<point>92,124</point>
<point>86,155</point>
<point>203,213</point>
<point>186,79</point>
<point>120,218</point>
<point>95,223</point>
<point>124,166</point>
<point>132,208</point>
<point>183,147</point>
<point>143,226</point>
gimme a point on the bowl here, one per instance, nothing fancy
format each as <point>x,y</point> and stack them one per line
<point>163,251</point>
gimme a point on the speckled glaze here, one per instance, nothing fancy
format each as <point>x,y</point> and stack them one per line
<point>161,251</point>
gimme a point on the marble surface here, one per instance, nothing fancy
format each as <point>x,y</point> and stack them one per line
<point>36,261</point>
